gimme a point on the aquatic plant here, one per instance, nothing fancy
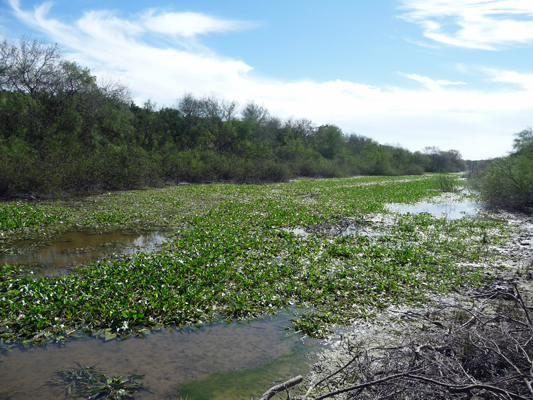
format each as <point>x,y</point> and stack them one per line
<point>233,254</point>
<point>90,382</point>
<point>7,393</point>
<point>17,215</point>
<point>448,183</point>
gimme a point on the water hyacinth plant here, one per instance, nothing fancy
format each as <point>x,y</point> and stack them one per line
<point>241,251</point>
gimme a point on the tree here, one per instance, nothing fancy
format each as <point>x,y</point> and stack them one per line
<point>254,113</point>
<point>330,141</point>
<point>523,144</point>
<point>507,183</point>
<point>39,69</point>
<point>444,161</point>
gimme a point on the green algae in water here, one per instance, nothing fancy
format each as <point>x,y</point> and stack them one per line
<point>249,383</point>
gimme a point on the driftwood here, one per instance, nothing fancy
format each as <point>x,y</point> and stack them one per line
<point>281,387</point>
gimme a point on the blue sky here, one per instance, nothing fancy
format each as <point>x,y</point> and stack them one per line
<point>456,74</point>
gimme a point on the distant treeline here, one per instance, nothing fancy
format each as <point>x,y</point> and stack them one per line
<point>61,130</point>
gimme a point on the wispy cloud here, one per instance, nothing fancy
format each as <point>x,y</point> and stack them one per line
<point>479,24</point>
<point>432,84</point>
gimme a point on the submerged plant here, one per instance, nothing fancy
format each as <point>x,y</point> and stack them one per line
<point>91,383</point>
<point>6,394</point>
<point>116,388</point>
<point>72,380</point>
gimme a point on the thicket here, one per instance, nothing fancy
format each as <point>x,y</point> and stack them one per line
<point>476,351</point>
<point>61,130</point>
<point>507,183</point>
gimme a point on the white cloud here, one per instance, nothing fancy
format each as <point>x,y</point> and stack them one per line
<point>188,24</point>
<point>431,84</point>
<point>523,80</point>
<point>480,24</point>
<point>450,118</point>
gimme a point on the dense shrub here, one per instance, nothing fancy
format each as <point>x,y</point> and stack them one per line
<point>507,183</point>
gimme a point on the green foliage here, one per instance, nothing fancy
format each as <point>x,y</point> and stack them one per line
<point>19,163</point>
<point>330,141</point>
<point>523,144</point>
<point>19,215</point>
<point>447,183</point>
<point>507,183</point>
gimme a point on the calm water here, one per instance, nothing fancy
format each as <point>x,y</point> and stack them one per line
<point>452,210</point>
<point>168,359</point>
<point>79,247</point>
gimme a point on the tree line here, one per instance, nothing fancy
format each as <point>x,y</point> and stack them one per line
<point>62,130</point>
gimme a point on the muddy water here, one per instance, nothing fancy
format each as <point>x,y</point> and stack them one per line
<point>168,359</point>
<point>79,247</point>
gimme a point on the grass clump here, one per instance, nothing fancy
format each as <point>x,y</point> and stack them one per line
<point>448,183</point>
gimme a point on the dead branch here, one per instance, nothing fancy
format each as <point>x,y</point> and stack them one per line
<point>483,351</point>
<point>281,387</point>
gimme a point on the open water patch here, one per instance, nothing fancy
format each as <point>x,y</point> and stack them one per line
<point>169,359</point>
<point>450,210</point>
<point>73,248</point>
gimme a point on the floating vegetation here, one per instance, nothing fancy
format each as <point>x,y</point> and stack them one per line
<point>231,255</point>
<point>92,383</point>
<point>7,394</point>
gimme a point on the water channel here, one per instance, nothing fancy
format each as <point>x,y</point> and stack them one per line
<point>252,357</point>
<point>169,360</point>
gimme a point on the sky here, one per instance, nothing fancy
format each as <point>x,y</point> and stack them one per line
<point>455,74</point>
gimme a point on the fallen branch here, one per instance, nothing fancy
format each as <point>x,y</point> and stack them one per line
<point>281,387</point>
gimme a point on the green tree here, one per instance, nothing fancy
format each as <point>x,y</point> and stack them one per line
<point>523,144</point>
<point>330,141</point>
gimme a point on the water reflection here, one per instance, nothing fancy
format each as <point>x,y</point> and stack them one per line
<point>80,247</point>
<point>168,359</point>
<point>451,210</point>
